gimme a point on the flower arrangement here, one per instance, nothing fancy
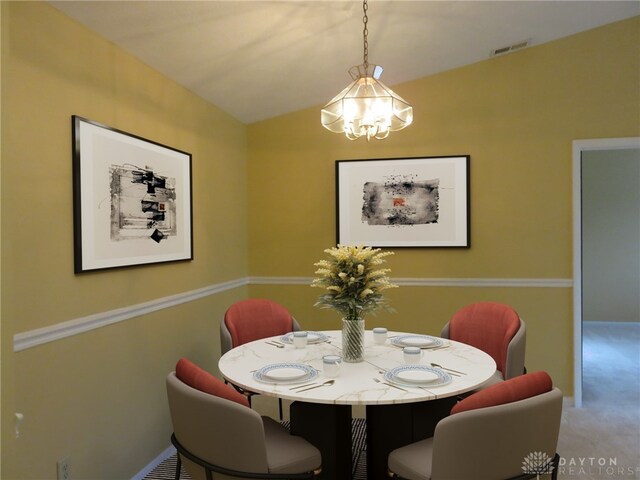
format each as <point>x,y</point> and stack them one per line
<point>352,281</point>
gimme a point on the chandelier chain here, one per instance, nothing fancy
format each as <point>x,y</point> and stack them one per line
<point>365,32</point>
<point>367,107</point>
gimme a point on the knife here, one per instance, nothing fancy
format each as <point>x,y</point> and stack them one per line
<point>390,385</point>
<point>325,384</point>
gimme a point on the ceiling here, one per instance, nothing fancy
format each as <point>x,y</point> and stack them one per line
<point>260,59</point>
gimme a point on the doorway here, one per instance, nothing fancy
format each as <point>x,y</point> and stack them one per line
<point>581,150</point>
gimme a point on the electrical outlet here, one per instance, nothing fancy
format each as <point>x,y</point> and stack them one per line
<point>64,469</point>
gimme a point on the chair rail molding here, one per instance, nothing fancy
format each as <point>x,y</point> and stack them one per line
<point>33,338</point>
<point>437,282</point>
<point>40,336</point>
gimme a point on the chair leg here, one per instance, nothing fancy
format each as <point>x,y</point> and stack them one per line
<point>280,407</point>
<point>178,466</point>
<point>556,464</point>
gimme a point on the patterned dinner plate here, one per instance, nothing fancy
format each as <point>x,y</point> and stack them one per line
<point>285,373</point>
<point>422,341</point>
<point>312,337</point>
<point>417,376</point>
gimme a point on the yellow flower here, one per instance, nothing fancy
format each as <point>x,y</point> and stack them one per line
<point>351,282</point>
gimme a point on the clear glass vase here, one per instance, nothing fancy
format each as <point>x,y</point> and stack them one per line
<point>353,340</point>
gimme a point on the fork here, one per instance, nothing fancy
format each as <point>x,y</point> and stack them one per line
<point>274,344</point>
<point>389,384</point>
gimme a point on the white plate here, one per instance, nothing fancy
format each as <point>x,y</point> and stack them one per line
<point>285,373</point>
<point>422,341</point>
<point>417,375</point>
<point>312,337</point>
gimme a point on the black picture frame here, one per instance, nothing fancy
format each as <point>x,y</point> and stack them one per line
<point>404,202</point>
<point>132,199</point>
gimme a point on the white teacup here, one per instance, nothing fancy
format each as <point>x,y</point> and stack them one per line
<point>379,335</point>
<point>300,339</point>
<point>412,354</point>
<point>331,365</point>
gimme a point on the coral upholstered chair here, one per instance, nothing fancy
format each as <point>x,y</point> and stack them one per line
<point>497,330</point>
<point>216,431</point>
<point>506,431</point>
<point>253,319</point>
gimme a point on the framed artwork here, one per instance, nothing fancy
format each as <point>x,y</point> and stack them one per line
<point>403,202</point>
<point>131,199</point>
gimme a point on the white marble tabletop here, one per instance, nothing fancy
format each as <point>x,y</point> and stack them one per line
<point>355,384</point>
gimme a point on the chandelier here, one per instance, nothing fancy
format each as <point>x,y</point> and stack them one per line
<point>367,107</point>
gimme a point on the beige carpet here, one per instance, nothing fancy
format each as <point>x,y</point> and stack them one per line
<point>602,439</point>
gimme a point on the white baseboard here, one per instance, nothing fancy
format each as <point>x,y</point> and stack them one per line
<point>154,463</point>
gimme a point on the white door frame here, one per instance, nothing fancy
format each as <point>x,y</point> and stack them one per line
<point>580,146</point>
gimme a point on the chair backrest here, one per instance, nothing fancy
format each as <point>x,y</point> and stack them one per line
<point>490,434</point>
<point>494,328</point>
<point>253,319</point>
<point>217,430</point>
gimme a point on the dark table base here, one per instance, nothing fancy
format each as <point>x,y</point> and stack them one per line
<point>394,426</point>
<point>328,427</point>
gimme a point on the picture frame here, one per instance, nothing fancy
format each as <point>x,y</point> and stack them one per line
<point>404,202</point>
<point>132,200</point>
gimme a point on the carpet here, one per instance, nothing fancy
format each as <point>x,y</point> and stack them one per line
<point>166,470</point>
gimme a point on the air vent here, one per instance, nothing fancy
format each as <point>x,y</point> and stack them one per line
<point>510,48</point>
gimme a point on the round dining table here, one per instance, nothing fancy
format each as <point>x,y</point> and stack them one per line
<point>397,412</point>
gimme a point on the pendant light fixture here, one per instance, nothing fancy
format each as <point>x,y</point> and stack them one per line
<point>367,107</point>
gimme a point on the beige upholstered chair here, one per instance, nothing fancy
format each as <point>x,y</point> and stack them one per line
<point>219,436</point>
<point>494,328</point>
<point>506,431</point>
<point>253,319</point>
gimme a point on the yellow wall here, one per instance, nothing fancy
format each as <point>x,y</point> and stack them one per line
<point>516,116</point>
<point>99,398</point>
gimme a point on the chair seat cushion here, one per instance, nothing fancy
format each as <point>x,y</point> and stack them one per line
<point>194,376</point>
<point>512,390</point>
<point>413,461</point>
<point>288,453</point>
